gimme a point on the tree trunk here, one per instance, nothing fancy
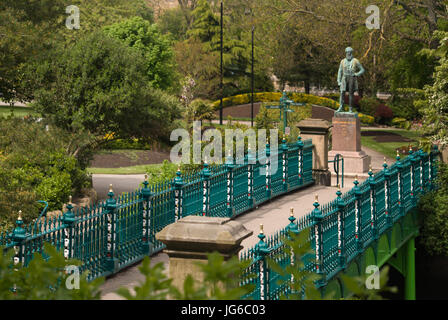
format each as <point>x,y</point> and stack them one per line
<point>307,86</point>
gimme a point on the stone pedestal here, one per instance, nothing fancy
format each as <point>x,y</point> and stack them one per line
<point>318,131</point>
<point>189,240</point>
<point>346,141</point>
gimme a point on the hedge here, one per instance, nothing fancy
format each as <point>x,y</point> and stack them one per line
<point>275,96</point>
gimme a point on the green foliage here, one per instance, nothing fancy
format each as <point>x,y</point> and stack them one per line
<point>172,21</point>
<point>435,111</point>
<point>127,144</point>
<point>270,118</point>
<point>433,208</point>
<point>359,291</point>
<point>161,174</point>
<point>405,103</point>
<point>275,97</point>
<point>199,110</point>
<point>99,86</point>
<point>156,286</point>
<point>368,105</point>
<point>219,282</point>
<point>44,278</point>
<point>36,165</point>
<point>304,284</point>
<point>155,48</point>
<point>401,123</point>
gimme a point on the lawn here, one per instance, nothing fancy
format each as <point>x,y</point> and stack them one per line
<point>389,149</point>
<point>18,111</point>
<point>140,169</point>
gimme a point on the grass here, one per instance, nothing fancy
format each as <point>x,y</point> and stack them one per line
<point>389,149</point>
<point>18,111</point>
<point>141,169</point>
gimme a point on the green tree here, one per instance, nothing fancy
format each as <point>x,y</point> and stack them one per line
<point>99,86</point>
<point>156,49</point>
<point>435,113</point>
<point>30,29</point>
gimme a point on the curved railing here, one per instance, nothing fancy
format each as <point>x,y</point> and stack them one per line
<point>343,228</point>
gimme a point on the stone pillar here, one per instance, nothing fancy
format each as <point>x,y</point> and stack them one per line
<point>346,141</point>
<point>190,239</point>
<point>318,131</point>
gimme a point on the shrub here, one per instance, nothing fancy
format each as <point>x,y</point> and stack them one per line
<point>365,119</point>
<point>383,114</point>
<point>433,208</point>
<point>401,123</point>
<point>405,103</point>
<point>368,105</point>
<point>35,165</point>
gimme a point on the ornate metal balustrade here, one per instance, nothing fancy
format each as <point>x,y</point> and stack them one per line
<point>120,231</point>
<point>375,214</point>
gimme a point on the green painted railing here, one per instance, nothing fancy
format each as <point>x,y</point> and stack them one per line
<point>120,231</point>
<point>341,230</point>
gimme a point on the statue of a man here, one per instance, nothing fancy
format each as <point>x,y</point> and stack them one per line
<point>347,77</point>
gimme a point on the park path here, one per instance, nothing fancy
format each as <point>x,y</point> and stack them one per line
<point>273,215</point>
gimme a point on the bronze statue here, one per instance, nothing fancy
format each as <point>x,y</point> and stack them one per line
<point>347,77</point>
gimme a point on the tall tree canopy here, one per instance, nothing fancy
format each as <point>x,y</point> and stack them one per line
<point>156,49</point>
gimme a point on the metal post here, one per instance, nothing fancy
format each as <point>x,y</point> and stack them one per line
<point>358,215</point>
<point>268,171</point>
<point>317,218</point>
<point>400,184</point>
<point>261,251</point>
<point>110,207</point>
<point>69,220</point>
<point>205,174</point>
<point>300,171</point>
<point>410,293</point>
<point>148,237</point>
<point>19,237</point>
<point>250,177</point>
<point>373,214</point>
<point>222,86</point>
<point>341,228</point>
<point>387,202</point>
<point>229,167</point>
<point>252,83</point>
<point>285,165</point>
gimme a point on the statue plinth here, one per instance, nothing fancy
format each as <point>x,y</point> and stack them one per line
<point>346,141</point>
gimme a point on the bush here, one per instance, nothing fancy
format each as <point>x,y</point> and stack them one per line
<point>405,103</point>
<point>383,114</point>
<point>35,165</point>
<point>401,123</point>
<point>433,208</point>
<point>368,105</point>
<point>365,119</point>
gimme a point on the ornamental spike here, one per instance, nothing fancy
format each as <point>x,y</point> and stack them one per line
<point>261,229</point>
<point>292,211</point>
<point>20,216</point>
<point>110,188</point>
